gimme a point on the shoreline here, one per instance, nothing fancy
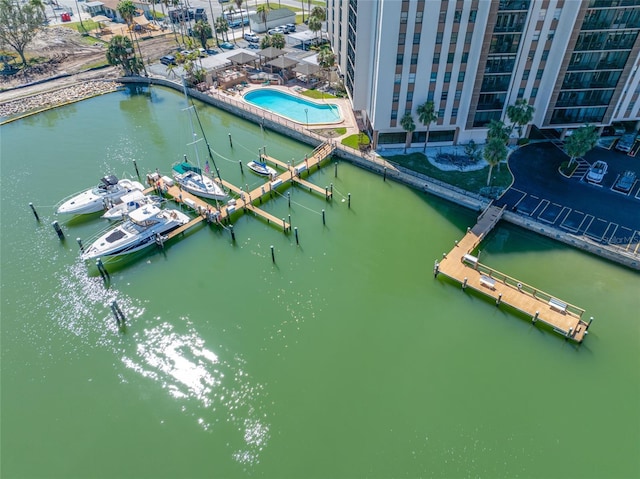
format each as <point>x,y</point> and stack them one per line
<point>70,94</point>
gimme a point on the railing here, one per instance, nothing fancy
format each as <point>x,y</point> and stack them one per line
<point>526,288</point>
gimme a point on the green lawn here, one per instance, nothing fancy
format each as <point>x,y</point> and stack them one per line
<point>354,141</point>
<point>473,181</point>
<point>318,95</point>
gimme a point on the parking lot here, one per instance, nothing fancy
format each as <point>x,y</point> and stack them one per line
<point>597,211</point>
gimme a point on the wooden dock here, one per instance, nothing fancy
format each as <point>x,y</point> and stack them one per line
<point>247,199</point>
<point>460,265</point>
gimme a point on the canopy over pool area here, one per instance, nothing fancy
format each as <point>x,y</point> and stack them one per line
<point>294,108</point>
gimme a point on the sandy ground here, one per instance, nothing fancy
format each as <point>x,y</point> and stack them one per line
<point>68,54</point>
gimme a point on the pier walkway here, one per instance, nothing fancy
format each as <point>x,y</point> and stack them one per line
<point>460,265</point>
<point>247,199</point>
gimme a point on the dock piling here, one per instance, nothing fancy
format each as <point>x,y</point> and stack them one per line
<point>464,283</point>
<point>349,200</point>
<point>233,234</point>
<point>499,300</point>
<point>323,218</point>
<point>135,165</point>
<point>79,241</point>
<point>35,213</point>
<point>241,169</point>
<point>103,271</point>
<point>535,318</point>
<point>436,268</point>
<point>273,255</point>
<point>117,313</point>
<point>335,173</point>
<point>296,231</point>
<point>289,198</point>
<point>230,141</point>
<point>384,178</point>
<point>56,226</point>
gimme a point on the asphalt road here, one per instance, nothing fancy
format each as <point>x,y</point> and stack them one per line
<point>579,207</point>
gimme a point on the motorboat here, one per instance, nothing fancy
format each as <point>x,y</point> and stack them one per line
<point>597,171</point>
<point>141,229</point>
<point>192,179</point>
<point>92,200</point>
<point>262,168</point>
<point>129,202</point>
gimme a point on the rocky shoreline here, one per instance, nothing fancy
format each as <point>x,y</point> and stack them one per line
<point>51,99</point>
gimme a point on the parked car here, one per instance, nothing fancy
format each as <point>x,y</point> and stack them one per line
<point>290,27</point>
<point>168,60</point>
<point>597,171</point>
<point>618,129</point>
<point>284,28</point>
<point>201,52</point>
<point>273,31</point>
<point>251,37</point>
<point>626,142</point>
<point>253,46</point>
<point>625,182</point>
<point>227,45</point>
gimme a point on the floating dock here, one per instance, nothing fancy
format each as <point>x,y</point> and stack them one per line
<point>247,199</point>
<point>460,265</point>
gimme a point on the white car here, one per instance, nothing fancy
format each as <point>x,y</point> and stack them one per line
<point>597,171</point>
<point>251,37</point>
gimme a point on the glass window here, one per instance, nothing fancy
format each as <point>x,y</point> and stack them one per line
<point>399,59</point>
<point>472,15</point>
<point>398,78</point>
<point>409,96</point>
<point>520,92</point>
<point>461,76</point>
<point>468,37</point>
<point>444,96</point>
<point>416,38</point>
<point>457,15</point>
<point>414,58</point>
<point>539,74</point>
<point>419,17</point>
<point>454,112</point>
<point>394,114</point>
<point>436,58</point>
<point>403,17</point>
<point>396,96</point>
<point>430,96</point>
<point>401,38</point>
<point>454,37</point>
<point>534,92</point>
<point>447,77</point>
<point>450,57</point>
<point>545,55</point>
<point>525,74</point>
<point>465,57</point>
<point>458,95</point>
<point>412,77</point>
<point>434,76</point>
<point>438,37</point>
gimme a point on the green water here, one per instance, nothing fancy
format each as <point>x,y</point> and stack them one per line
<point>344,359</point>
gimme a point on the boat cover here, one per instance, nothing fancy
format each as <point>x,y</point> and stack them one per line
<point>184,167</point>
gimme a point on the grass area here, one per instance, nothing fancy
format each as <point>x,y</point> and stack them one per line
<point>354,141</point>
<point>99,64</point>
<point>340,131</point>
<point>86,27</point>
<point>473,181</point>
<point>318,95</point>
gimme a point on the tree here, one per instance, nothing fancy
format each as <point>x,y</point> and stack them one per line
<point>580,142</point>
<point>315,24</point>
<point>495,152</point>
<point>127,10</point>
<point>520,114</point>
<point>202,31</point>
<point>265,42</point>
<point>472,151</point>
<point>409,126</point>
<point>19,23</point>
<point>120,52</point>
<point>278,40</point>
<point>239,5</point>
<point>498,130</point>
<point>222,26</point>
<point>427,115</point>
<point>319,12</point>
<point>263,12</point>
<point>326,59</point>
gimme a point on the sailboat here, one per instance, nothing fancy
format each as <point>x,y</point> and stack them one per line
<point>190,177</point>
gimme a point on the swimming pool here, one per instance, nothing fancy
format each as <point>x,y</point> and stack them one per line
<point>294,108</point>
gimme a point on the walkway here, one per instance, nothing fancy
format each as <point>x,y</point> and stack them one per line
<point>460,265</point>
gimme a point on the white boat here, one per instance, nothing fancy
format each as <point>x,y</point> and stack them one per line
<point>129,202</point>
<point>140,230</point>
<point>92,200</point>
<point>262,168</point>
<point>190,177</point>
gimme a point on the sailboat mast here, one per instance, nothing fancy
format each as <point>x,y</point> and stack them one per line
<point>193,132</point>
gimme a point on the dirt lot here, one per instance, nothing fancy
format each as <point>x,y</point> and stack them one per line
<point>68,53</point>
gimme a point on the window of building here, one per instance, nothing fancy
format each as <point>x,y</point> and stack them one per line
<point>545,55</point>
<point>461,76</point>
<point>539,74</point>
<point>520,92</point>
<point>447,76</point>
<point>454,37</point>
<point>443,16</point>
<point>409,96</point>
<point>457,15</point>
<point>454,112</point>
<point>419,17</point>
<point>536,36</point>
<point>438,37</point>
<point>399,59</point>
<point>458,95</point>
<point>403,17</point>
<point>412,77</point>
<point>401,38</point>
<point>434,76</point>
<point>534,92</point>
<point>525,74</point>
<point>414,58</point>
<point>468,37</point>
<point>441,113</point>
<point>398,78</point>
<point>450,57</point>
<point>394,114</point>
<point>472,15</point>
<point>465,57</point>
<point>436,58</point>
<point>396,96</point>
<point>416,38</point>
<point>444,96</point>
<point>430,96</point>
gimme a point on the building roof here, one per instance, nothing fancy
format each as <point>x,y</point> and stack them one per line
<point>282,62</point>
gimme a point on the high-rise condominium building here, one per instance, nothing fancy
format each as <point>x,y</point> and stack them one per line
<point>575,61</point>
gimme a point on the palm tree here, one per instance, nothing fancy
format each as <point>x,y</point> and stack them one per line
<point>497,129</point>
<point>326,59</point>
<point>127,10</point>
<point>427,115</point>
<point>120,52</point>
<point>278,40</point>
<point>580,142</point>
<point>263,11</point>
<point>319,12</point>
<point>302,1</point>
<point>520,114</point>
<point>239,5</point>
<point>495,152</point>
<point>222,26</point>
<point>315,24</point>
<point>409,126</point>
<point>202,31</point>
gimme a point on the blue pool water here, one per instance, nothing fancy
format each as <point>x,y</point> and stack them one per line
<point>294,108</point>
